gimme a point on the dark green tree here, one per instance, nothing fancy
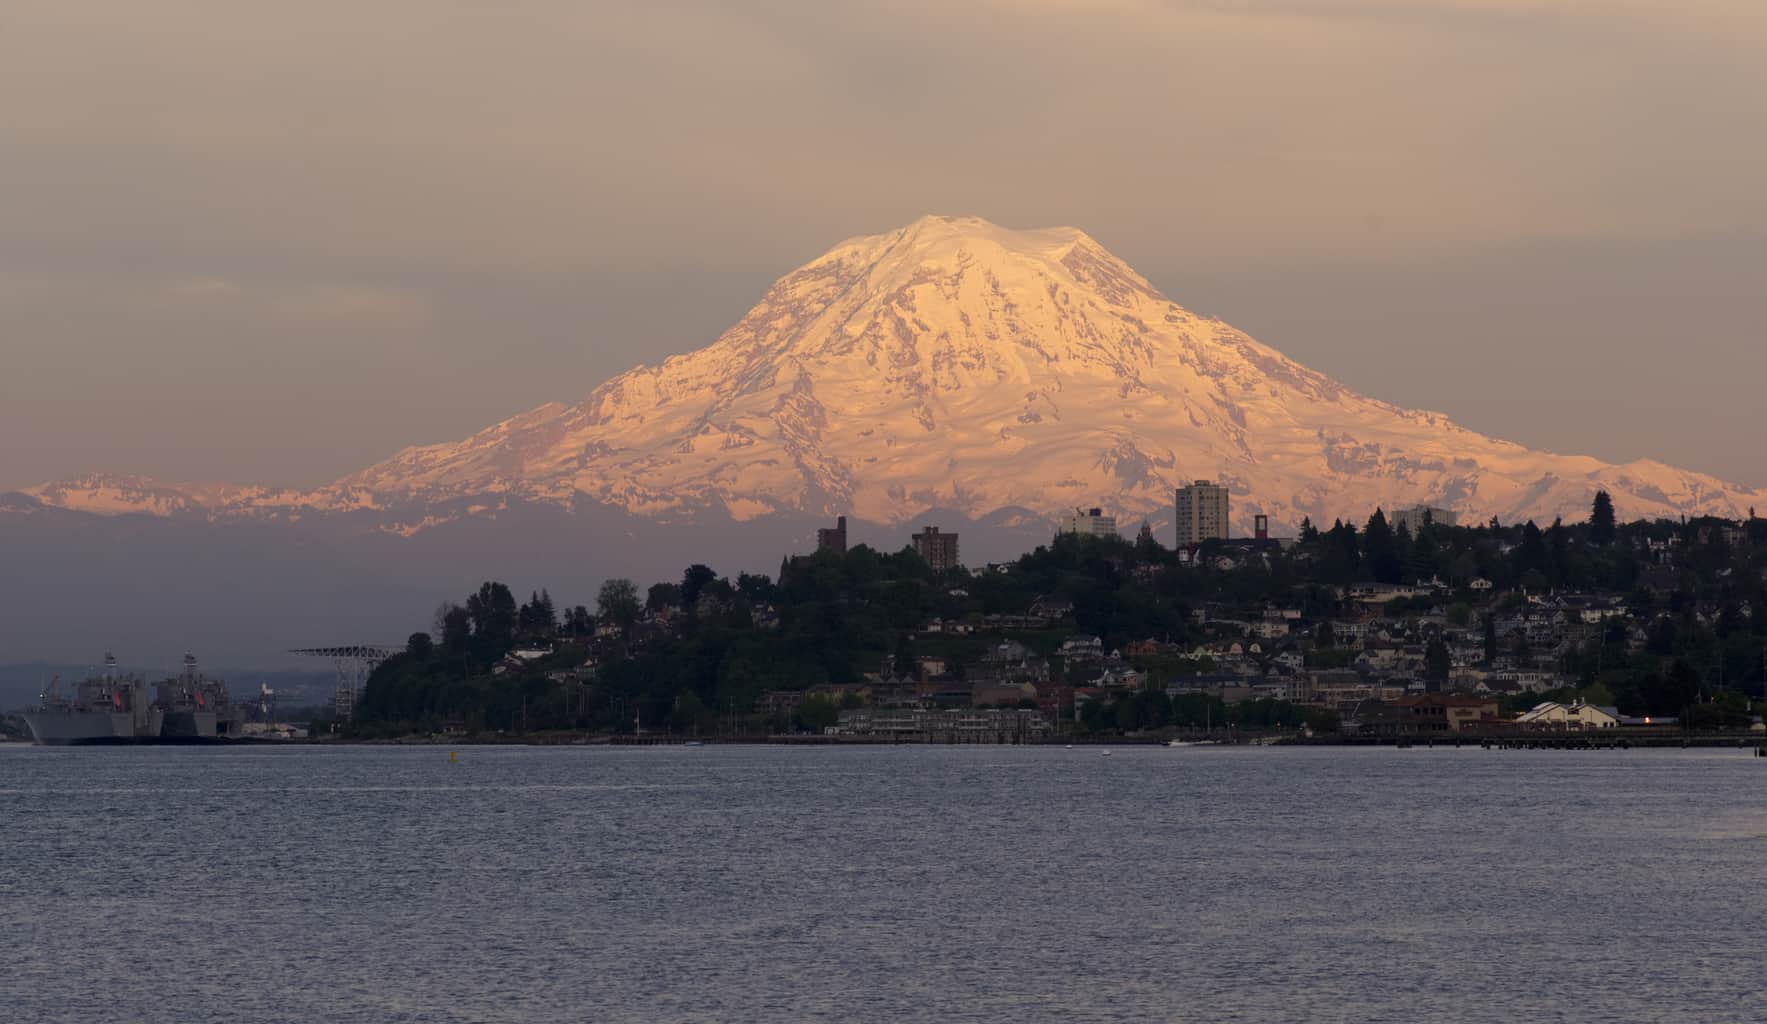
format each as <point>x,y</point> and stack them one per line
<point>455,627</point>
<point>1380,550</point>
<point>493,613</point>
<point>662,595</point>
<point>1601,520</point>
<point>1437,663</point>
<point>537,618</point>
<point>816,714</point>
<point>1426,555</point>
<point>755,588</point>
<point>1531,553</point>
<point>693,581</point>
<point>903,664</point>
<point>618,603</point>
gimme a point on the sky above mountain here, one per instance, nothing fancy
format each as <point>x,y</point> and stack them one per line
<point>278,244</point>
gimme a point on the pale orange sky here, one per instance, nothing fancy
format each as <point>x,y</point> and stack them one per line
<point>278,242</point>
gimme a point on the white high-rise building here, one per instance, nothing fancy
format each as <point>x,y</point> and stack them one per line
<point>1090,523</point>
<point>1202,513</point>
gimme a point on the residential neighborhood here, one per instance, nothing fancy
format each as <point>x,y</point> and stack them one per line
<point>1343,632</point>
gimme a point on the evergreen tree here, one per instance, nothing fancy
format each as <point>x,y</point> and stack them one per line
<point>1601,520</point>
<point>537,618</point>
<point>456,629</point>
<point>1558,552</point>
<point>493,614</point>
<point>1309,532</point>
<point>1380,550</point>
<point>1437,663</point>
<point>1490,638</point>
<point>1531,554</point>
<point>1425,555</point>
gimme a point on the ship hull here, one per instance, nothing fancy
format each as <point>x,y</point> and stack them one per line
<point>189,725</point>
<point>63,728</point>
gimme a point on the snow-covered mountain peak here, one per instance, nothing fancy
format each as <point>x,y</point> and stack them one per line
<point>957,364</point>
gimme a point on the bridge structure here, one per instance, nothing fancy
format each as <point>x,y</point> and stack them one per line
<point>355,663</point>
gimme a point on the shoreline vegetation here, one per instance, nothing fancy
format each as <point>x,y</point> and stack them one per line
<point>1657,630</point>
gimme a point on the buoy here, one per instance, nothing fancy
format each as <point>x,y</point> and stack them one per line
<point>452,758</point>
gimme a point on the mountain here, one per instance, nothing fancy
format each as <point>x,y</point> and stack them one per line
<point>960,366</point>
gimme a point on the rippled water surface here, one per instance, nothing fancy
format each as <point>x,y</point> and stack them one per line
<point>880,884</point>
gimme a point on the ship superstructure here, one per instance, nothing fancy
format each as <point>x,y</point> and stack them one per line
<point>196,706</point>
<point>115,708</point>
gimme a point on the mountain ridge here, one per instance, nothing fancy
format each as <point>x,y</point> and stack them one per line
<point>957,364</point>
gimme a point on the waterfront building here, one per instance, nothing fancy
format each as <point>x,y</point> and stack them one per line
<point>1201,513</point>
<point>1445,713</point>
<point>1091,522</point>
<point>953,725</point>
<point>1576,715</point>
<point>938,550</point>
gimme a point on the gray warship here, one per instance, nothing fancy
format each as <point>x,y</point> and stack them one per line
<point>113,708</point>
<point>193,706</point>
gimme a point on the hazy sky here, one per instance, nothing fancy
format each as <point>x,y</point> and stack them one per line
<point>276,242</point>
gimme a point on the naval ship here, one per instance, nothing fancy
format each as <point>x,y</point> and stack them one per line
<point>109,708</point>
<point>193,706</point>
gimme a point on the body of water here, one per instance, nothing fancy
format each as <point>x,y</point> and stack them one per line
<point>264,884</point>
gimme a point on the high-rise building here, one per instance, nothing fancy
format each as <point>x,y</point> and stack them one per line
<point>1415,519</point>
<point>1090,523</point>
<point>938,550</point>
<point>834,540</point>
<point>1201,513</point>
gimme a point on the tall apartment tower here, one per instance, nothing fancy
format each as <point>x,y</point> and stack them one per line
<point>834,540</point>
<point>1202,513</point>
<point>1090,523</point>
<point>938,550</point>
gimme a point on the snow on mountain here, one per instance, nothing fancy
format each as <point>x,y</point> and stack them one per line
<point>114,494</point>
<point>955,364</point>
